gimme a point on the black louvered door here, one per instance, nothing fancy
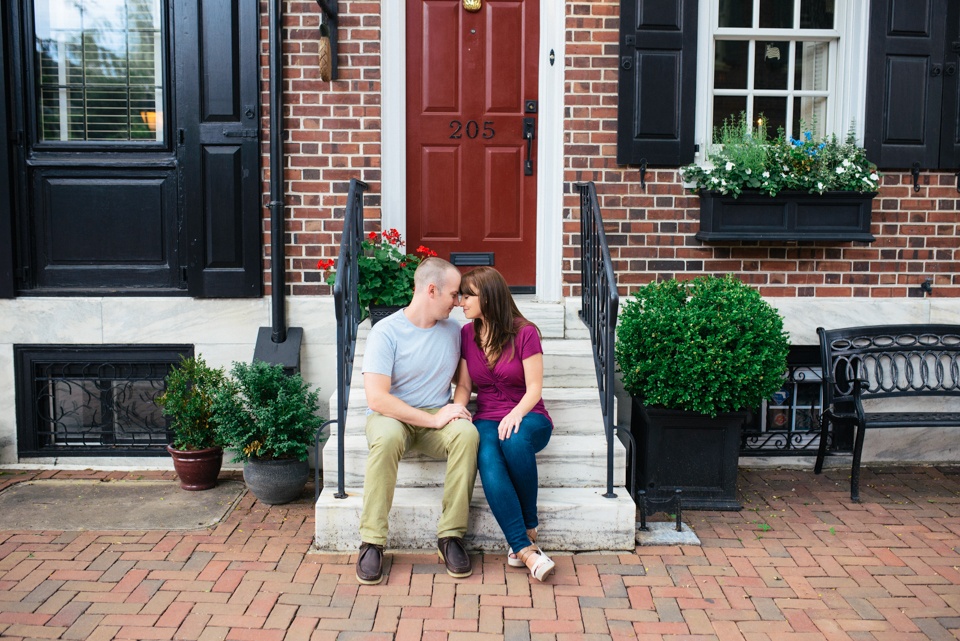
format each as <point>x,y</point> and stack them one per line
<point>7,282</point>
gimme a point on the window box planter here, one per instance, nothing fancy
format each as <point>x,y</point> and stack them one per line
<point>790,215</point>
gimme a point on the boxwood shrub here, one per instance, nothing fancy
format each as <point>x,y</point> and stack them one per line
<point>709,345</point>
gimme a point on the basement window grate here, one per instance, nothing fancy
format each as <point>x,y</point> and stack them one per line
<point>93,400</point>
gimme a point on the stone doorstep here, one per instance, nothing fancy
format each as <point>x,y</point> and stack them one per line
<point>573,519</point>
<point>664,533</point>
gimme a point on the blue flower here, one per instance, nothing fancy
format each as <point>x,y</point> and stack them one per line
<point>808,135</point>
<point>822,145</point>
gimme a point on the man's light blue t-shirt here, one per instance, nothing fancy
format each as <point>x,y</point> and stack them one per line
<point>419,362</point>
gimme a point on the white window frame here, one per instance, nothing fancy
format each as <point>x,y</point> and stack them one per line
<point>847,79</point>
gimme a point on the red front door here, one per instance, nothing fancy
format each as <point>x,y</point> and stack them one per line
<point>471,83</point>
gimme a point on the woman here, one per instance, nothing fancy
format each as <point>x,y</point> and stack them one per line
<point>501,357</point>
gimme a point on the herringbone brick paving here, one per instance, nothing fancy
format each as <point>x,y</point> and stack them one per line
<point>800,562</point>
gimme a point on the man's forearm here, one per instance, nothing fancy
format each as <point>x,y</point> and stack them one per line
<point>392,407</point>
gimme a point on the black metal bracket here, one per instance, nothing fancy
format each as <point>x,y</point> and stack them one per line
<point>916,176</point>
<point>958,181</point>
<point>330,16</point>
<point>643,174</point>
<point>927,286</point>
<point>648,506</point>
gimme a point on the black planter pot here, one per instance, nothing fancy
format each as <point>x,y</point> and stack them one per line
<point>790,215</point>
<point>276,482</point>
<point>690,451</point>
<point>379,312</point>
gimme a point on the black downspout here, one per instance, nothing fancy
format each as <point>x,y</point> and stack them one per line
<point>276,345</point>
<point>277,249</point>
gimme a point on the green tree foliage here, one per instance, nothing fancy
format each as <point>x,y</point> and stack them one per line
<point>711,345</point>
<point>266,414</point>
<point>188,401</point>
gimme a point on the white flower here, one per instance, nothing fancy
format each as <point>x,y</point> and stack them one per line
<point>723,182</point>
<point>846,163</point>
<point>749,171</point>
<point>730,165</point>
<point>783,174</point>
<point>785,168</point>
<point>873,177</point>
<point>707,171</point>
<point>766,174</point>
<point>714,180</point>
<point>820,186</point>
<point>840,170</point>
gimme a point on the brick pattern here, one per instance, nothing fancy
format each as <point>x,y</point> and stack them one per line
<point>799,563</point>
<point>651,233</point>
<point>333,133</point>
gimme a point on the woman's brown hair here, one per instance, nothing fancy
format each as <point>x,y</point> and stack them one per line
<point>504,320</point>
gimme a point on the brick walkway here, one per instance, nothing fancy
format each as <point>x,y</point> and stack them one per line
<point>799,562</point>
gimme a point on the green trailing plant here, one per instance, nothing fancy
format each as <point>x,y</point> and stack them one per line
<point>188,400</point>
<point>385,273</point>
<point>710,345</point>
<point>742,157</point>
<point>264,413</point>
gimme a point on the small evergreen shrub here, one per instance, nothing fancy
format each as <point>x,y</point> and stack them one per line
<point>266,414</point>
<point>188,401</point>
<point>711,345</point>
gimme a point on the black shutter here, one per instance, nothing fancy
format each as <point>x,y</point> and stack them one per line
<point>218,97</point>
<point>950,120</point>
<point>7,285</point>
<point>905,82</point>
<point>658,77</point>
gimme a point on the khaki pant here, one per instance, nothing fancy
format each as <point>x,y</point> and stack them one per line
<point>388,439</point>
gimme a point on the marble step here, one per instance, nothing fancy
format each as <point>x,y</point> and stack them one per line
<point>566,461</point>
<point>575,519</point>
<point>566,363</point>
<point>573,410</point>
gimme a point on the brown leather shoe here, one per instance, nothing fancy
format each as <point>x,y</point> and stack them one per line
<point>370,564</point>
<point>455,557</point>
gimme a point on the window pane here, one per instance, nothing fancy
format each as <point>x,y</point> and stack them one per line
<point>773,111</point>
<point>770,65</point>
<point>730,65</point>
<point>728,108</point>
<point>776,14</point>
<point>816,14</point>
<point>813,113</point>
<point>810,71</point>
<point>736,13</point>
<point>100,69</point>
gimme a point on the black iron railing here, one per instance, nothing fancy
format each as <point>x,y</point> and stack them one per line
<point>349,315</point>
<point>600,300</point>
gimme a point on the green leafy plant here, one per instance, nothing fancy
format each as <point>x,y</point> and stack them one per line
<point>264,413</point>
<point>385,272</point>
<point>188,400</point>
<point>742,157</point>
<point>710,345</point>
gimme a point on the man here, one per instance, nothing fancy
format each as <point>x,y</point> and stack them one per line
<point>410,359</point>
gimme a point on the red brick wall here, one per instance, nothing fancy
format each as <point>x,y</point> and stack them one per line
<point>333,133</point>
<point>651,233</point>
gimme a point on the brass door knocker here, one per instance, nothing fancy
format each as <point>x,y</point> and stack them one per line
<point>471,5</point>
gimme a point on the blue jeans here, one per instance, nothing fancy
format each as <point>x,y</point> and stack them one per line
<point>508,471</point>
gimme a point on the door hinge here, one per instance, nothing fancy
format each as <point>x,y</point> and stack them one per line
<point>181,134</point>
<point>183,274</point>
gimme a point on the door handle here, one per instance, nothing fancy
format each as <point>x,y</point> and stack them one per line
<point>529,133</point>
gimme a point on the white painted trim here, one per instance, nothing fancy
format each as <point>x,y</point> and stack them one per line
<point>393,118</point>
<point>550,154</point>
<point>393,100</point>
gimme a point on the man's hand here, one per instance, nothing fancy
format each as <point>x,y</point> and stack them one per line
<point>449,413</point>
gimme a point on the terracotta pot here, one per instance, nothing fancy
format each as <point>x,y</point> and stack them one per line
<point>197,469</point>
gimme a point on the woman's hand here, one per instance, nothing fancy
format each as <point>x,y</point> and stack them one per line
<point>510,424</point>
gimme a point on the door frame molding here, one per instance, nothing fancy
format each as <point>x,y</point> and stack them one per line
<point>393,93</point>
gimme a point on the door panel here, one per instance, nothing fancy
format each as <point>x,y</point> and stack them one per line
<point>469,77</point>
<point>218,99</point>
<point>7,287</point>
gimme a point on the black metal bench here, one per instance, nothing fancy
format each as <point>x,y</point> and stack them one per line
<point>886,361</point>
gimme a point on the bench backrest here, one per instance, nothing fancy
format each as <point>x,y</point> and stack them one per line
<point>896,360</point>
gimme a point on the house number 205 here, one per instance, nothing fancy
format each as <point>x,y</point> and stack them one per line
<point>472,129</point>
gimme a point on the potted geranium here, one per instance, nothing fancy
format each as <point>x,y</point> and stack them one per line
<point>188,401</point>
<point>270,419</point>
<point>695,356</point>
<point>807,188</point>
<point>385,273</point>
